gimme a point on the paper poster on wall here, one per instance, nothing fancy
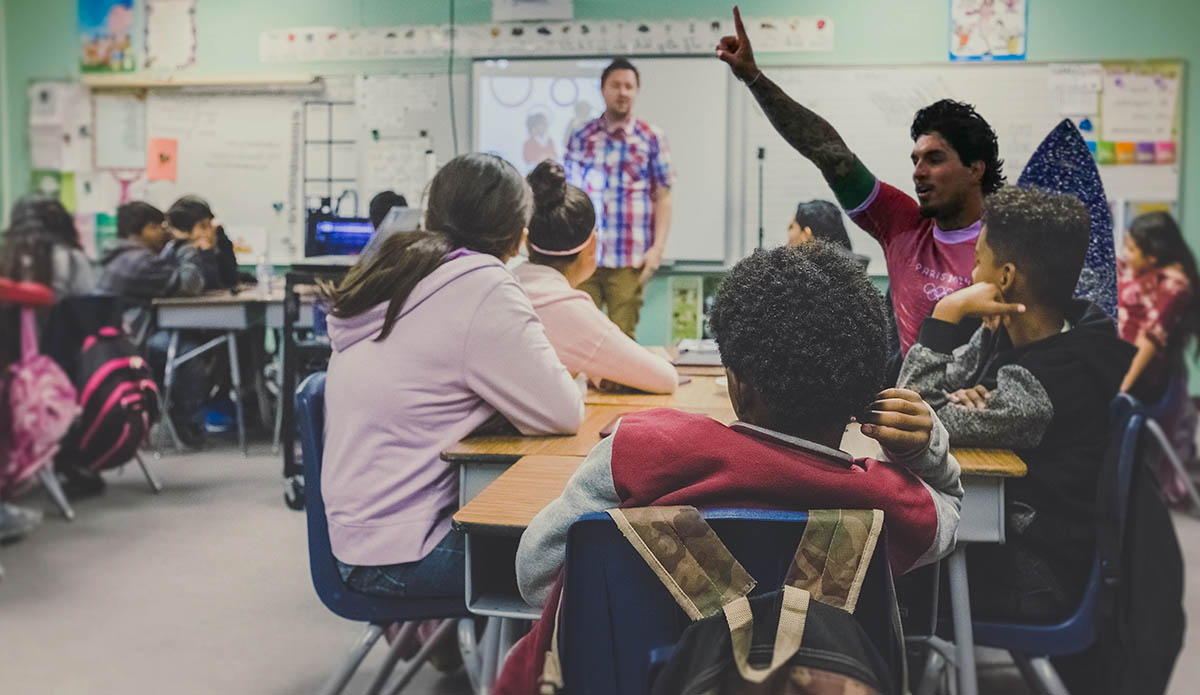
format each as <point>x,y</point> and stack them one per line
<point>122,120</point>
<point>170,34</point>
<point>106,35</point>
<point>1139,106</point>
<point>524,10</point>
<point>988,29</point>
<point>162,159</point>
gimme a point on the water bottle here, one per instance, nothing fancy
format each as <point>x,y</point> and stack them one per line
<point>262,276</point>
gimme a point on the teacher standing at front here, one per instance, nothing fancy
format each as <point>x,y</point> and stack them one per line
<point>625,167</point>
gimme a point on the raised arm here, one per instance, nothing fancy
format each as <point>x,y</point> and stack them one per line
<point>811,135</point>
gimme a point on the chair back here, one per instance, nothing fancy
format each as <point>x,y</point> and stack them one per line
<point>615,611</point>
<point>327,580</point>
<point>1081,629</point>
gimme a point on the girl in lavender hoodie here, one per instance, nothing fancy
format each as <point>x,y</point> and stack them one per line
<point>432,337</point>
<point>562,254</point>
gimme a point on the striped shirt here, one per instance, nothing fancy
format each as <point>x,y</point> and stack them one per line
<point>620,167</point>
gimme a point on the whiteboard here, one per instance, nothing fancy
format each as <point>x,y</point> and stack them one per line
<point>872,108</point>
<point>688,98</point>
<point>241,153</point>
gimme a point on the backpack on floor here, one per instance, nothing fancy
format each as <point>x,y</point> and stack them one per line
<point>118,400</point>
<point>40,403</point>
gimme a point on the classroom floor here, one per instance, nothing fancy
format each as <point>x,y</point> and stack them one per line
<point>205,589</point>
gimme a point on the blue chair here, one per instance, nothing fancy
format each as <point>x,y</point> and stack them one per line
<point>1174,396</point>
<point>379,613</point>
<point>616,613</point>
<point>1032,645</point>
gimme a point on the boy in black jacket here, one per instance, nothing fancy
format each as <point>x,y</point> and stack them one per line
<point>1037,378</point>
<point>148,263</point>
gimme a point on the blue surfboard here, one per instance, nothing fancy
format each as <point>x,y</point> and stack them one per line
<point>1064,164</point>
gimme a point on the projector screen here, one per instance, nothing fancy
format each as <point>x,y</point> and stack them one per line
<point>525,110</point>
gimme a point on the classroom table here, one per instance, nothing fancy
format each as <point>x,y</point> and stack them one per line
<point>496,514</point>
<point>698,393</point>
<point>227,311</point>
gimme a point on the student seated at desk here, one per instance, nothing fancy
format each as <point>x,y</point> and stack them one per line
<point>1037,378</point>
<point>562,254</point>
<point>803,339</point>
<point>432,338</point>
<point>146,264</point>
<point>42,245</point>
<point>191,220</point>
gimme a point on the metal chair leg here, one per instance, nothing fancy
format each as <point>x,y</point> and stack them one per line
<point>275,442</point>
<point>50,482</point>
<point>1168,450</point>
<point>168,382</point>
<point>338,680</point>
<point>468,646</point>
<point>235,376</point>
<point>152,479</point>
<point>960,610</point>
<point>447,628</point>
<point>393,657</point>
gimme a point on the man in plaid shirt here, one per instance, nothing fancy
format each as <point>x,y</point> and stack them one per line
<point>625,167</point>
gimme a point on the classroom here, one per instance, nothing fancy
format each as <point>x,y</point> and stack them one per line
<point>599,346</point>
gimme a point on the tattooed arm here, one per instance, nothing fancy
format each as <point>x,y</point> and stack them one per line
<point>811,135</point>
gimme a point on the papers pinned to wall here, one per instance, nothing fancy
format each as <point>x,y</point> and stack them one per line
<point>122,119</point>
<point>558,38</point>
<point>170,34</point>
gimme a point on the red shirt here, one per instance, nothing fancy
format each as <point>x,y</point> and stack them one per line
<point>924,263</point>
<point>1153,304</point>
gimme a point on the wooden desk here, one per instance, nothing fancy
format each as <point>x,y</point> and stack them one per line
<point>499,513</point>
<point>508,505</point>
<point>701,393</point>
<point>509,448</point>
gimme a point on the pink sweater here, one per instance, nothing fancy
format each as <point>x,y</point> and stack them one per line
<point>467,344</point>
<point>586,340</point>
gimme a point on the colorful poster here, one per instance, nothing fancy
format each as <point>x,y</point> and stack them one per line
<point>988,29</point>
<point>106,35</point>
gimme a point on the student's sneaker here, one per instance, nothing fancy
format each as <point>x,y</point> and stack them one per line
<point>16,521</point>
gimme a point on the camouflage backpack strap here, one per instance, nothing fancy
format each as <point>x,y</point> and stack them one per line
<point>687,557</point>
<point>834,553</point>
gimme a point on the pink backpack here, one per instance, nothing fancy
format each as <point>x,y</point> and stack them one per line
<point>41,404</point>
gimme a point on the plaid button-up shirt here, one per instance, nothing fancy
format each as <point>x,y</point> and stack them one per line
<point>620,167</point>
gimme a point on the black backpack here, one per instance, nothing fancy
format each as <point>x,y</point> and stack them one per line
<point>118,402</point>
<point>802,639</point>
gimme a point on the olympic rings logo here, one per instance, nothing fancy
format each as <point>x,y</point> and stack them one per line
<point>935,292</point>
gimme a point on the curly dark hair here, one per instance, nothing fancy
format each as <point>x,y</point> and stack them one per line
<point>968,133</point>
<point>804,327</point>
<point>1044,234</point>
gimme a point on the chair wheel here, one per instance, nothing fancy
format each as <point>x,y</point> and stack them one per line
<point>293,492</point>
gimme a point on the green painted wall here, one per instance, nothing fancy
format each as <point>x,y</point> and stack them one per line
<point>40,43</point>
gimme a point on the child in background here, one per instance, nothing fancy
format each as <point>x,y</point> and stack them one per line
<point>1038,378</point>
<point>1158,315</point>
<point>802,362</point>
<point>382,204</point>
<point>137,266</point>
<point>191,220</point>
<point>43,235</point>
<point>821,219</point>
<point>432,338</point>
<point>149,262</point>
<point>562,254</point>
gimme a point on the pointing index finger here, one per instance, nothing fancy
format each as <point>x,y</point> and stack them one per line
<point>737,24</point>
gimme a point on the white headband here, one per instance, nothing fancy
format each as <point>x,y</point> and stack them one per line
<point>569,252</point>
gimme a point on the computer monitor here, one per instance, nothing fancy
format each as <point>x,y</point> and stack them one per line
<point>329,235</point>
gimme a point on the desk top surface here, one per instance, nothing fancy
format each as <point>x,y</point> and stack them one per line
<point>508,505</point>
<point>506,448</point>
<point>701,393</point>
<point>246,294</point>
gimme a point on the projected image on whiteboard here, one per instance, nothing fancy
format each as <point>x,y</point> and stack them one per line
<point>528,118</point>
